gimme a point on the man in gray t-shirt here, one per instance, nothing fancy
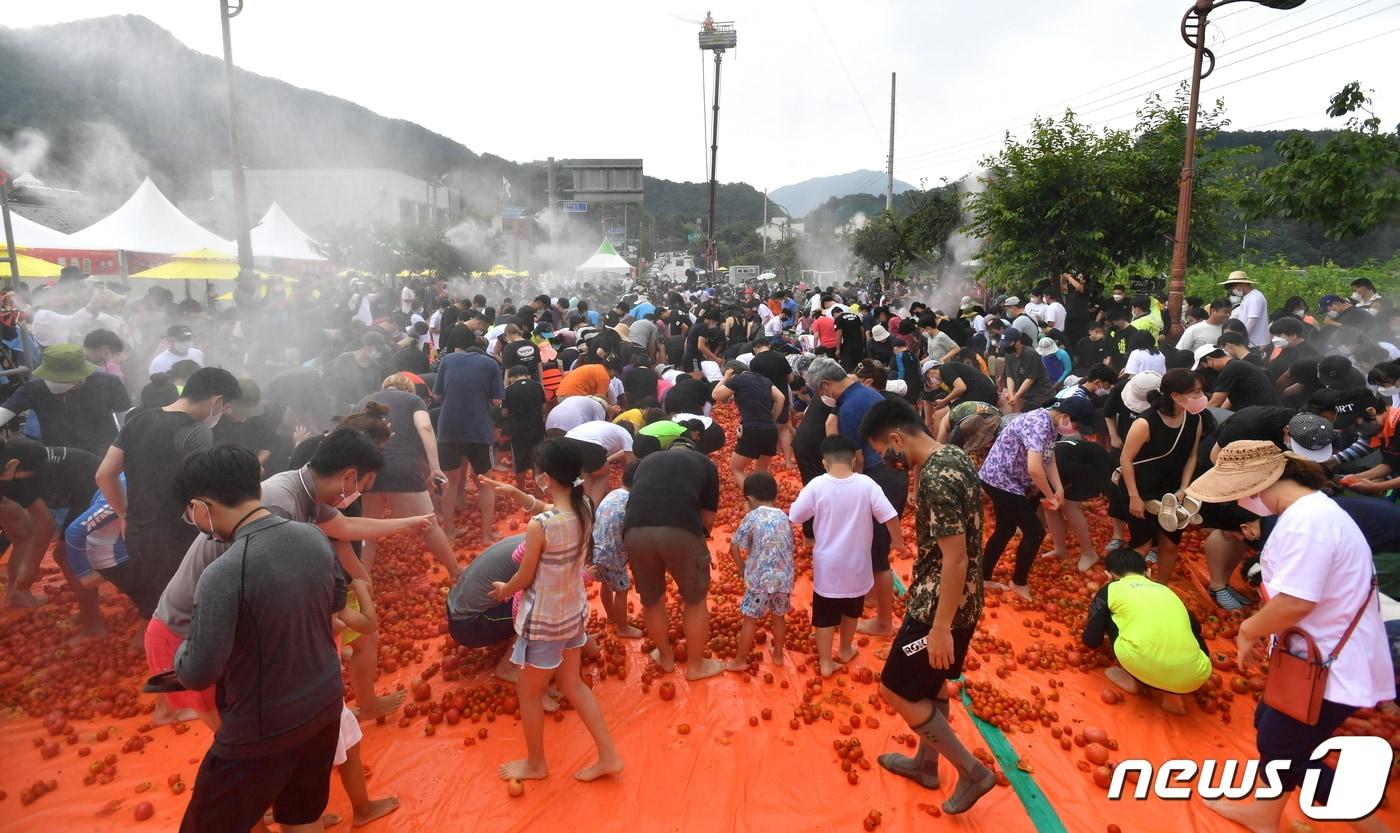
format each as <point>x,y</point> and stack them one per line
<point>474,619</point>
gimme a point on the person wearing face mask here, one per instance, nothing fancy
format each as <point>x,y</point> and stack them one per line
<point>1116,302</point>
<point>1384,378</point>
<point>1341,312</point>
<point>1158,459</point>
<point>1207,330</point>
<point>1253,309</point>
<point>1019,475</point>
<point>345,459</point>
<point>76,405</point>
<point>261,629</point>
<point>179,341</point>
<point>1028,386</point>
<point>1289,338</point>
<point>1319,577</point>
<point>149,450</point>
<point>1239,384</point>
<point>1364,295</point>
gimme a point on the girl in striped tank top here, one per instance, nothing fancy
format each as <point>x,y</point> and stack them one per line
<point>553,611</point>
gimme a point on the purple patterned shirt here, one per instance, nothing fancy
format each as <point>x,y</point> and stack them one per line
<point>1005,466</point>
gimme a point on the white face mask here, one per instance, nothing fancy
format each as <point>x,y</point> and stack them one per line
<point>181,347</point>
<point>1279,341</point>
<point>59,387</point>
<point>215,413</point>
<point>1331,313</point>
<point>1356,296</point>
<point>828,401</point>
<point>1388,390</point>
<point>1237,292</point>
<point>1255,505</point>
<point>1117,296</point>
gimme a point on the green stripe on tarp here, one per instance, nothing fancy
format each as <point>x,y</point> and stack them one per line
<point>1033,798</point>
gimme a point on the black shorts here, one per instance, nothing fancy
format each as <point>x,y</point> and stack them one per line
<point>522,452</point>
<point>907,672</point>
<point>595,457</point>
<point>894,483</point>
<point>757,439</point>
<point>451,454</point>
<point>1141,531</point>
<point>828,612</point>
<point>483,630</point>
<point>231,794</point>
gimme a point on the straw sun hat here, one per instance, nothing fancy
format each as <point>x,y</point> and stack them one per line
<point>1244,468</point>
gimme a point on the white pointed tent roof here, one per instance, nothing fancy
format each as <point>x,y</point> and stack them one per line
<point>32,235</point>
<point>276,235</point>
<point>148,222</point>
<point>606,259</point>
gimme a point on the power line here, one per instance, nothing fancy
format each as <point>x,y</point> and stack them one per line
<point>974,157</point>
<point>1141,87</point>
<point>1138,94</point>
<point>913,152</point>
<point>849,79</point>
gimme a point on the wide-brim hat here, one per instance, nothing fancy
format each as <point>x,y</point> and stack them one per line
<point>1243,468</point>
<point>249,404</point>
<point>64,363</point>
<point>1238,276</point>
<point>1136,390</point>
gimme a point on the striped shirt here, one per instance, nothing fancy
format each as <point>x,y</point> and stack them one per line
<point>555,604</point>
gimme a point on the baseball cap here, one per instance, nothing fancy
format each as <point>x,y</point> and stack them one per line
<point>1311,436</point>
<point>1206,351</point>
<point>374,338</point>
<point>929,364</point>
<point>1012,301</point>
<point>1078,409</point>
<point>1332,371</point>
<point>1010,337</point>
<point>879,333</point>
<point>179,331</point>
<point>1329,300</point>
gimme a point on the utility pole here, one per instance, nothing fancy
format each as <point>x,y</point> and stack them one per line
<point>228,10</point>
<point>10,253</point>
<point>889,166</point>
<point>715,37</point>
<point>765,222</point>
<point>549,184</point>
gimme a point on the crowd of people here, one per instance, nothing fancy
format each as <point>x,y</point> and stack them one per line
<point>182,452</point>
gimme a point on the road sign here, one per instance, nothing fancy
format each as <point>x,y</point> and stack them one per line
<point>575,207</point>
<point>694,238</point>
<point>512,213</point>
<point>617,234</point>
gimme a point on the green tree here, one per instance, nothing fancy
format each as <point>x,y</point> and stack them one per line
<point>932,217</point>
<point>881,243</point>
<point>1068,198</point>
<point>1347,186</point>
<point>783,260</point>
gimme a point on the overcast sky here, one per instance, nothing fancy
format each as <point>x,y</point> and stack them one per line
<point>807,91</point>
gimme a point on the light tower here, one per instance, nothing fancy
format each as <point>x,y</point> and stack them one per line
<point>716,37</point>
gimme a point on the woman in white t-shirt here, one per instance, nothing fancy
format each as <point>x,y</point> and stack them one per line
<point>1318,577</point>
<point>601,443</point>
<point>1143,354</point>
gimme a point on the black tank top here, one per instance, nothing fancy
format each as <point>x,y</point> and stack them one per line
<point>1155,476</point>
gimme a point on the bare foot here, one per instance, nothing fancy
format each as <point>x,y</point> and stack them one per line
<point>847,654</point>
<point>1173,704</point>
<point>506,671</point>
<point>377,808</point>
<point>1255,816</point>
<point>549,704</point>
<point>23,599</point>
<point>330,820</point>
<point>737,665</point>
<point>91,630</point>
<point>611,765</point>
<point>628,632</point>
<point>778,657</point>
<point>667,665</point>
<point>707,668</point>
<point>165,716</point>
<point>1087,561</point>
<point>827,668</point>
<point>523,770</point>
<point>1122,679</point>
<point>381,706</point>
<point>1055,554</point>
<point>872,627</point>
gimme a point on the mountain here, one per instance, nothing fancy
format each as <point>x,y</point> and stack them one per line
<point>808,194</point>
<point>119,97</point>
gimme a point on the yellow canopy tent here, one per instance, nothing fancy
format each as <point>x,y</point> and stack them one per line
<point>262,288</point>
<point>29,267</point>
<point>198,265</point>
<point>500,271</point>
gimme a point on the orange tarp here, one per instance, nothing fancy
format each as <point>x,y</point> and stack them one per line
<point>724,775</point>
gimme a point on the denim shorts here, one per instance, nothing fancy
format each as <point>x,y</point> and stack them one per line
<point>548,653</point>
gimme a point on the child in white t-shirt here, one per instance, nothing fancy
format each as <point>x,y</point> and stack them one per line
<point>844,507</point>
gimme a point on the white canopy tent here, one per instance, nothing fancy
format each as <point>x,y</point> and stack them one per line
<point>276,235</point>
<point>148,222</point>
<point>32,235</point>
<point>606,259</point>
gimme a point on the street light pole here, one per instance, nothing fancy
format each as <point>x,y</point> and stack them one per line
<point>229,9</point>
<point>1193,31</point>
